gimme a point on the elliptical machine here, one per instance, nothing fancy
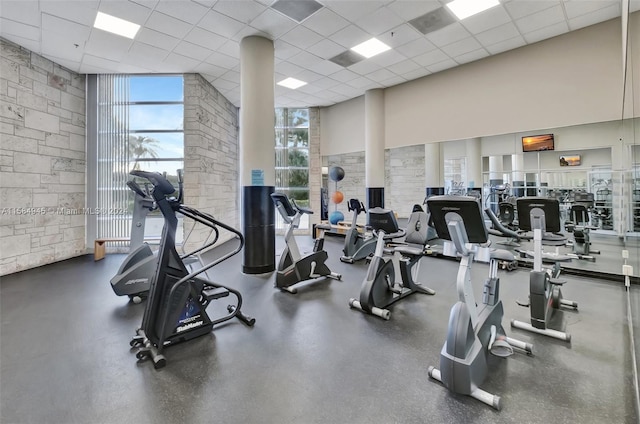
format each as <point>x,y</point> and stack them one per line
<point>357,245</point>
<point>293,268</point>
<point>134,275</point>
<point>545,294</point>
<point>579,226</point>
<point>474,331</point>
<point>178,299</point>
<point>380,288</point>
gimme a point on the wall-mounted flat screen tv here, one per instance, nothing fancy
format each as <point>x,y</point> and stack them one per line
<point>570,160</point>
<point>537,143</point>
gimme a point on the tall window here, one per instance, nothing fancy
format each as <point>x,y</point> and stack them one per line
<point>292,155</point>
<point>139,126</point>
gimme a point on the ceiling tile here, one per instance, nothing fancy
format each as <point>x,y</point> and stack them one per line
<point>231,48</point>
<point>288,68</point>
<point>247,32</point>
<point>326,67</point>
<point>498,34</point>
<point>519,9</point>
<point>326,49</point>
<point>447,35</point>
<point>210,70</point>
<point>404,67</point>
<point>430,58</point>
<point>364,67</point>
<point>325,22</point>
<point>168,25</point>
<point>546,32</point>
<point>192,51</point>
<point>222,60</point>
<point>243,11</point>
<point>107,45</point>
<point>273,23</point>
<point>503,46</point>
<point>187,11</point>
<point>388,58</point>
<point>231,76</point>
<point>100,62</point>
<point>471,56</point>
<point>80,12</point>
<point>486,20</point>
<point>395,80</point>
<point>461,47</point>
<point>220,24</point>
<point>416,47</point>
<point>21,30</point>
<point>305,60</point>
<point>399,35</point>
<point>600,15</point>
<point>326,83</point>
<point>350,36</point>
<point>380,21</point>
<point>205,38</point>
<point>344,75</point>
<point>380,75</point>
<point>69,64</point>
<point>542,19</point>
<point>579,8</point>
<point>285,50</point>
<point>301,37</point>
<point>123,9</point>
<point>181,62</point>
<point>225,85</point>
<point>353,10</point>
<point>26,12</point>
<point>308,76</point>
<point>310,89</point>
<point>418,73</point>
<point>34,46</point>
<point>146,52</point>
<point>441,66</point>
<point>157,39</point>
<point>63,26</point>
<point>60,45</point>
<point>410,9</point>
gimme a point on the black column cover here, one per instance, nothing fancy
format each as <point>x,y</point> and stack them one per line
<point>259,229</point>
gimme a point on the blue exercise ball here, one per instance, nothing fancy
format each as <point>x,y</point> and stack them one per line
<point>336,173</point>
<point>335,217</point>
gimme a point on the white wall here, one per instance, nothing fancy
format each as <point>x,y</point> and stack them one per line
<point>342,128</point>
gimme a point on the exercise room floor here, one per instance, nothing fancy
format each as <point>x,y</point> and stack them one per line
<point>65,355</point>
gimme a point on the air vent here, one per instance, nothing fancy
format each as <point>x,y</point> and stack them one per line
<point>298,10</point>
<point>347,58</point>
<point>433,21</point>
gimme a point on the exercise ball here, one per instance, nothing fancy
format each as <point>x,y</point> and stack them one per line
<point>336,173</point>
<point>337,197</point>
<point>335,217</point>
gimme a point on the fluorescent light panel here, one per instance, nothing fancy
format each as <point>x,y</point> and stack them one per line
<point>116,25</point>
<point>292,83</point>
<point>465,8</point>
<point>370,48</point>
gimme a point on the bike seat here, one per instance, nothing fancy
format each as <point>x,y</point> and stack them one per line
<point>410,250</point>
<point>304,210</point>
<point>502,255</point>
<point>556,281</point>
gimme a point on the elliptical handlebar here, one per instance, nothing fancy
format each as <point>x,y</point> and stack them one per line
<point>161,186</point>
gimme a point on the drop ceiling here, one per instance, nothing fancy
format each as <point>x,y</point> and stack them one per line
<point>203,36</point>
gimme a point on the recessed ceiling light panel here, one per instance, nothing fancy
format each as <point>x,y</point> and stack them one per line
<point>292,83</point>
<point>371,48</point>
<point>465,8</point>
<point>116,25</point>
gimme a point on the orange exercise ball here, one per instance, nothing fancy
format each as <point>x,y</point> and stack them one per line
<point>337,197</point>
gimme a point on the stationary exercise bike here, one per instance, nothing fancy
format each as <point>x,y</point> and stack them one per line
<point>578,224</point>
<point>294,268</point>
<point>545,294</point>
<point>474,330</point>
<point>381,288</point>
<point>176,310</point>
<point>357,245</point>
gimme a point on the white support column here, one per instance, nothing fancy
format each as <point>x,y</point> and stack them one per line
<point>433,169</point>
<point>374,146</point>
<point>474,163</point>
<point>518,178</point>
<point>257,155</point>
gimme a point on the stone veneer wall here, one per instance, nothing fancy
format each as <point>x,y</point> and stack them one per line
<point>42,160</point>
<point>353,184</point>
<point>211,148</point>
<point>315,165</point>
<point>404,179</point>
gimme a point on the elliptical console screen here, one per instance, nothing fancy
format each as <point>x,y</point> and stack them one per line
<point>465,208</point>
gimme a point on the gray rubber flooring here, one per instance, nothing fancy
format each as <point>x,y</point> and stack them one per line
<point>65,356</point>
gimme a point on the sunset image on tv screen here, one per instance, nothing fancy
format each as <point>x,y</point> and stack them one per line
<point>537,143</point>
